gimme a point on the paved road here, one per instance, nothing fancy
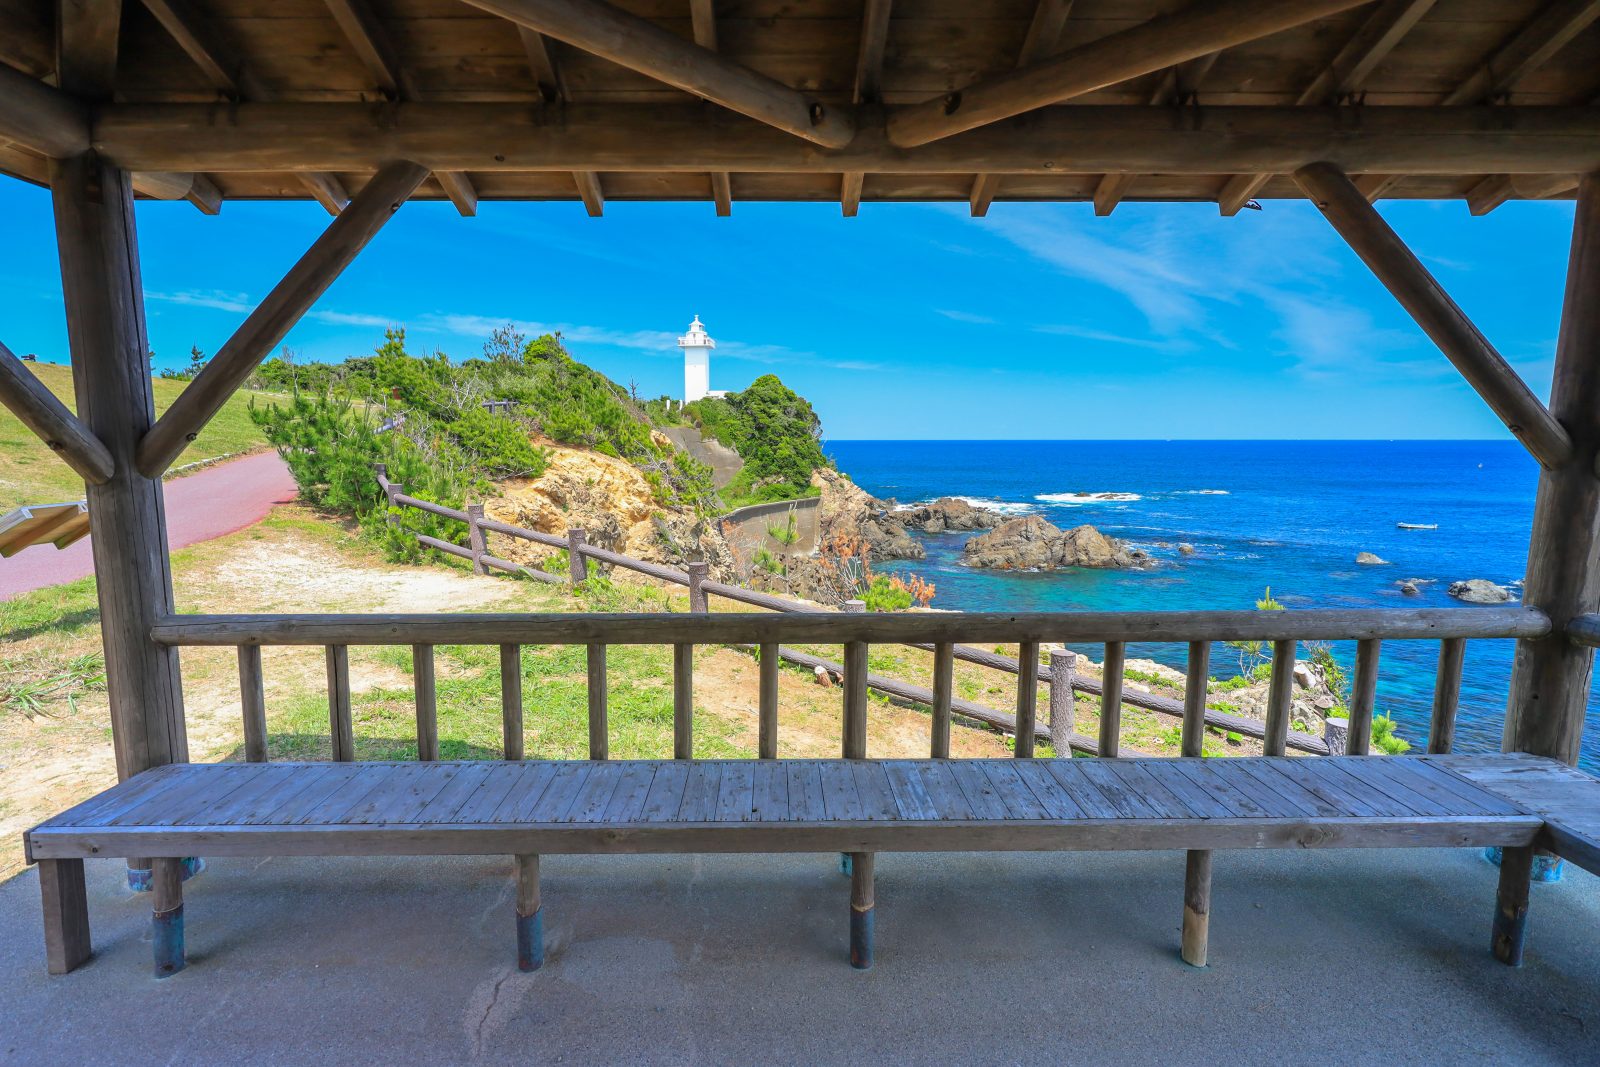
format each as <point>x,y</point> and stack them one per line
<point>209,503</point>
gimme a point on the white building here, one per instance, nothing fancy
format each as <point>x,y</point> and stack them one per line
<point>697,346</point>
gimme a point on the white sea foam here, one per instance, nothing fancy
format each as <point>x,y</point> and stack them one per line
<point>1087,498</point>
<point>1201,492</point>
<point>1004,507</point>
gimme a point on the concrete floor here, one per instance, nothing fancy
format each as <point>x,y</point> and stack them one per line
<point>1317,957</point>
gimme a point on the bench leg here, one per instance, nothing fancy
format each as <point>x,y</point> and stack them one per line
<point>166,920</point>
<point>530,919</point>
<point>1197,907</point>
<point>861,902</point>
<point>66,914</point>
<point>1511,905</point>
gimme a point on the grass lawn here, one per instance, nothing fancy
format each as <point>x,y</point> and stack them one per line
<point>31,474</point>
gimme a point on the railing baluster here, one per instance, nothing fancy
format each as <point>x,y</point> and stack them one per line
<point>427,699</point>
<point>1194,699</point>
<point>1446,696</point>
<point>599,735</point>
<point>511,699</point>
<point>944,665</point>
<point>767,742</point>
<point>341,730</point>
<point>1280,698</point>
<point>577,565</point>
<point>1027,697</point>
<point>253,703</point>
<point>1063,701</point>
<point>477,542</point>
<point>682,701</point>
<point>699,603</point>
<point>1111,698</point>
<point>855,700</point>
<point>1363,695</point>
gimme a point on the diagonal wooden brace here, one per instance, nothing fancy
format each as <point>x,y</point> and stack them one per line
<point>48,417</point>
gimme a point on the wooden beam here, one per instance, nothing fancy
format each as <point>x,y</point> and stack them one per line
<point>594,200</point>
<point>1370,237</point>
<point>1490,193</point>
<point>201,44</point>
<point>199,190</point>
<point>97,244</point>
<point>641,45</point>
<point>1550,676</point>
<point>458,187</point>
<point>1529,48</point>
<point>722,193</point>
<point>40,118</point>
<point>1181,84</point>
<point>1344,76</point>
<point>1109,193</point>
<point>1208,26</point>
<point>542,64</point>
<point>703,20</point>
<point>868,88</point>
<point>307,280</point>
<point>1044,33</point>
<point>40,411</point>
<point>87,35</point>
<point>1083,139</point>
<point>328,191</point>
<point>373,47</point>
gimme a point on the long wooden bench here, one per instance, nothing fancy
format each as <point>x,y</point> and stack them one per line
<point>528,808</point>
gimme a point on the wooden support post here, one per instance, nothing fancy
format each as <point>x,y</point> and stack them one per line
<point>767,739</point>
<point>511,699</point>
<point>427,700</point>
<point>854,607</point>
<point>341,726</point>
<point>1027,697</point>
<point>66,914</point>
<point>111,376</point>
<point>862,900</point>
<point>1280,699</point>
<point>683,701</point>
<point>698,602</point>
<point>1363,697</point>
<point>291,298</point>
<point>1194,698</point>
<point>253,703</point>
<point>530,913</point>
<point>48,418</point>
<point>1063,701</point>
<point>166,919</point>
<point>1511,905</point>
<point>855,700</point>
<point>1196,907</point>
<point>1387,256</point>
<point>944,664</point>
<point>1111,699</point>
<point>477,542</point>
<point>1550,675</point>
<point>1446,696</point>
<point>577,568</point>
<point>599,735</point>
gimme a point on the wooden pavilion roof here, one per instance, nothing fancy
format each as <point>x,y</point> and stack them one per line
<point>210,100</point>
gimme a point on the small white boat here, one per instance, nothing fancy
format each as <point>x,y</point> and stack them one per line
<point>1417,525</point>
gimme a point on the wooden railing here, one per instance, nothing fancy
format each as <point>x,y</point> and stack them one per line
<point>856,632</point>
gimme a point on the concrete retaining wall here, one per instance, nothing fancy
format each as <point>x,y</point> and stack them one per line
<point>748,529</point>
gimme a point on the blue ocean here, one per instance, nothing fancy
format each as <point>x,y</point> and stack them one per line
<point>1284,515</point>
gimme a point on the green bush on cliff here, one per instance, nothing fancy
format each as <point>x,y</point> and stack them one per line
<point>775,432</point>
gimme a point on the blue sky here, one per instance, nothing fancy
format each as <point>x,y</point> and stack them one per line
<point>910,321</point>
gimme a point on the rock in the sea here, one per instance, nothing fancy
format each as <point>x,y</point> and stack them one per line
<point>1185,548</point>
<point>948,513</point>
<point>1480,591</point>
<point>1031,543</point>
<point>1371,559</point>
<point>1410,589</point>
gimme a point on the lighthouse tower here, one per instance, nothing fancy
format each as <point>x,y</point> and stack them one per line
<point>697,346</point>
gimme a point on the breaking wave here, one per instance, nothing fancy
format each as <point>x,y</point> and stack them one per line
<point>1087,498</point>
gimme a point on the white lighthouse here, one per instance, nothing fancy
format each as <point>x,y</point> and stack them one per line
<point>697,346</point>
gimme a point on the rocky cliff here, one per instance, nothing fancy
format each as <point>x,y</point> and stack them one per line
<point>1032,543</point>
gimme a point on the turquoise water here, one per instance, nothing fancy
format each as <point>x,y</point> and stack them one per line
<point>1290,515</point>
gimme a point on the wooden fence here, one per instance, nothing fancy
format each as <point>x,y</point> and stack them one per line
<point>1198,630</point>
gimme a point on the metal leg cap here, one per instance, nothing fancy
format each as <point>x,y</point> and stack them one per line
<point>166,928</point>
<point>530,941</point>
<point>861,939</point>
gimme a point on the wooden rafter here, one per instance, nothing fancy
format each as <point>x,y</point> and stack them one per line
<point>458,187</point>
<point>373,47</point>
<point>327,190</point>
<point>1044,34</point>
<point>1110,190</point>
<point>866,89</point>
<point>291,298</point>
<point>1179,87</point>
<point>199,190</point>
<point>1387,256</point>
<point>87,35</point>
<point>542,64</point>
<point>643,46</point>
<point>40,411</point>
<point>1209,26</point>
<point>703,21</point>
<point>722,192</point>
<point>1084,139</point>
<point>1345,76</point>
<point>594,200</point>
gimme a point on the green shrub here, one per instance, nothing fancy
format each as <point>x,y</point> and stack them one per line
<point>1384,738</point>
<point>884,594</point>
<point>775,432</point>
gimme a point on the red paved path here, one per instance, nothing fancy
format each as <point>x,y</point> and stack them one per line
<point>206,504</point>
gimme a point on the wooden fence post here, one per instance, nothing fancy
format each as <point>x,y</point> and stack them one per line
<point>476,540</point>
<point>698,602</point>
<point>855,607</point>
<point>577,569</point>
<point>1063,705</point>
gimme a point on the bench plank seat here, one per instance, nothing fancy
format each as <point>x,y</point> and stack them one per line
<point>480,807</point>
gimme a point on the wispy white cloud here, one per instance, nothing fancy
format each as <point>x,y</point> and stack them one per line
<point>206,298</point>
<point>965,316</point>
<point>351,318</point>
<point>1090,334</point>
